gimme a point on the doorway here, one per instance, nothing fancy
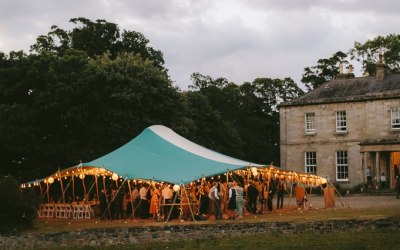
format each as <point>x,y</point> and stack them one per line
<point>394,167</point>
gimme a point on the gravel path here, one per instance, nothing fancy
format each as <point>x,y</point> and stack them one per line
<point>358,201</point>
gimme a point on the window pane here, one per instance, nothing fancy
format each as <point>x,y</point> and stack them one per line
<point>342,169</point>
<point>395,118</point>
<point>341,121</point>
<point>311,162</point>
<point>310,122</point>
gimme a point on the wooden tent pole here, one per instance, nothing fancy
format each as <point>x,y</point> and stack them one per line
<point>48,195</point>
<point>130,198</point>
<point>97,186</point>
<point>189,203</point>
<point>73,187</point>
<point>84,187</point>
<point>40,187</point>
<point>62,189</point>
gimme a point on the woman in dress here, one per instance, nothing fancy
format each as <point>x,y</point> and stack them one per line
<point>231,201</point>
<point>155,202</point>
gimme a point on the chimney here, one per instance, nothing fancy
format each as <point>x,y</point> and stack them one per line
<point>341,74</point>
<point>350,73</point>
<point>380,69</point>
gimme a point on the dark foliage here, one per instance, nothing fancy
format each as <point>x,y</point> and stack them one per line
<point>17,207</point>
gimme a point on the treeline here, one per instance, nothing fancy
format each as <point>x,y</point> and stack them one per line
<point>82,93</point>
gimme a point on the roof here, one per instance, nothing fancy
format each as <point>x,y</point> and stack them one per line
<point>160,154</point>
<point>353,89</point>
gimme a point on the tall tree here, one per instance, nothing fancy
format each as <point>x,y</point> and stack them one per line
<point>248,112</point>
<point>97,38</point>
<point>324,71</point>
<point>57,110</point>
<point>368,53</point>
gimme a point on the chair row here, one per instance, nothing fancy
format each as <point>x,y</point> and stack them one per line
<point>65,211</point>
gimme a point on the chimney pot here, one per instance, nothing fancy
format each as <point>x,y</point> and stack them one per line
<point>380,69</point>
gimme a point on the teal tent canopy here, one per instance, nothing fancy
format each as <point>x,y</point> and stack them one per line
<point>160,154</point>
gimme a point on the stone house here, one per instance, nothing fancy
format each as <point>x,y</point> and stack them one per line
<point>344,127</point>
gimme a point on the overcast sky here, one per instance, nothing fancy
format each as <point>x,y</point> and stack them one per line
<point>236,39</point>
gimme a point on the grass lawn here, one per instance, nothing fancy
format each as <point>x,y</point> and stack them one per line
<point>363,208</point>
<point>342,240</point>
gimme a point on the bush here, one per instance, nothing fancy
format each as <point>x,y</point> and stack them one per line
<point>18,207</point>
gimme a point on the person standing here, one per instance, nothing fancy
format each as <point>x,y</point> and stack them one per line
<point>271,192</point>
<point>383,181</point>
<point>280,188</point>
<point>103,202</point>
<point>368,174</point>
<point>144,204</point>
<point>154,207</point>
<point>239,200</point>
<point>231,201</point>
<point>252,194</point>
<point>204,200</point>
<point>214,195</point>
<point>166,194</point>
<point>136,200</point>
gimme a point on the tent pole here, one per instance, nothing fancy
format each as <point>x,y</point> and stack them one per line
<point>73,187</point>
<point>130,198</point>
<point>48,195</point>
<point>40,187</point>
<point>97,186</point>
<point>170,211</point>
<point>62,189</point>
<point>189,203</point>
<point>84,187</point>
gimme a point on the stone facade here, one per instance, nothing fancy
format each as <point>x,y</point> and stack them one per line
<point>368,139</point>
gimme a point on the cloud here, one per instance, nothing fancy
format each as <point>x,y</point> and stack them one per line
<point>240,40</point>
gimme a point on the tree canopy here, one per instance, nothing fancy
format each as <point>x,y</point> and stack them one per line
<point>82,93</point>
<point>367,54</point>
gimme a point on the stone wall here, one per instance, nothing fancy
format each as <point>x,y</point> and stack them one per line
<point>140,235</point>
<point>365,121</point>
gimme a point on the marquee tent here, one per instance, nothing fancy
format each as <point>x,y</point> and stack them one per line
<point>160,154</point>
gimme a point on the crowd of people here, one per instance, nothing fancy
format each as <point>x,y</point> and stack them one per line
<point>199,201</point>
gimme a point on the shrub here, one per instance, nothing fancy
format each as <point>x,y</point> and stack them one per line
<point>17,207</point>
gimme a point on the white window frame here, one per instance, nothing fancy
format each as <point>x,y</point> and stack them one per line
<point>341,121</point>
<point>342,165</point>
<point>395,118</point>
<point>309,122</point>
<point>310,162</point>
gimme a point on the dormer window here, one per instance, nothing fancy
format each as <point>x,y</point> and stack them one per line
<point>341,124</point>
<point>395,118</point>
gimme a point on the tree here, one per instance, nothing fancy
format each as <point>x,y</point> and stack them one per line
<point>368,53</point>
<point>56,110</point>
<point>97,38</point>
<point>247,114</point>
<point>18,207</point>
<point>326,70</point>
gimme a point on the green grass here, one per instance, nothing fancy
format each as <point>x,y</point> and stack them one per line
<point>340,240</point>
<point>61,225</point>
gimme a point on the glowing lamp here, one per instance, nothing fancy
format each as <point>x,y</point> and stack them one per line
<point>176,188</point>
<point>50,180</point>
<point>82,176</point>
<point>114,176</point>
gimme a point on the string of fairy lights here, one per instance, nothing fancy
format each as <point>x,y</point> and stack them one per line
<point>250,173</point>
